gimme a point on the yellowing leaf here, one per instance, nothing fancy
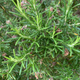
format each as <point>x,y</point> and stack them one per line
<point>75,34</point>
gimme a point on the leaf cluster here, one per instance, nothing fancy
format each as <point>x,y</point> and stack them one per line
<point>42,41</point>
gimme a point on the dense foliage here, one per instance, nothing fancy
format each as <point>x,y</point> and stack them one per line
<point>39,39</point>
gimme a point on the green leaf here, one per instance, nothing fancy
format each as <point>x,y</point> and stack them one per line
<point>17,41</point>
<point>12,67</point>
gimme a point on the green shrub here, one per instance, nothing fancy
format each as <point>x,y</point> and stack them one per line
<point>42,42</point>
